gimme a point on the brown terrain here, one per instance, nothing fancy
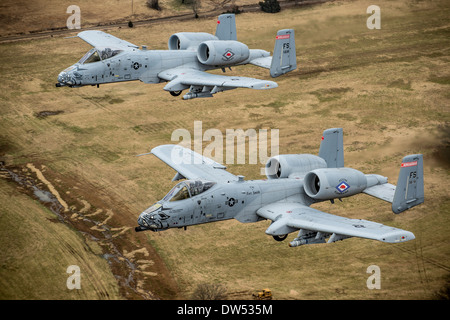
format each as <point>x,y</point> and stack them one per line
<point>71,186</point>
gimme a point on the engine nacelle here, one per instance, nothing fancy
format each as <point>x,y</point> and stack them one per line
<point>331,183</point>
<point>185,40</point>
<point>219,53</point>
<point>290,165</point>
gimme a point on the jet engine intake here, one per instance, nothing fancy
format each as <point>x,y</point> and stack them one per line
<point>185,40</point>
<point>292,165</point>
<point>219,53</point>
<point>328,184</point>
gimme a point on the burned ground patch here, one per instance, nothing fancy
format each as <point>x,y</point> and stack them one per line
<point>47,113</point>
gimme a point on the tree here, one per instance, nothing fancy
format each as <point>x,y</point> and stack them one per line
<point>154,4</point>
<point>209,291</point>
<point>195,4</point>
<point>271,6</point>
<point>196,7</point>
<point>220,3</point>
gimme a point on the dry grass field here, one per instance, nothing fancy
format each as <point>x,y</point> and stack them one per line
<point>31,16</point>
<point>388,89</point>
<point>22,16</point>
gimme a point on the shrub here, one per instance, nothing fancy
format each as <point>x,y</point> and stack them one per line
<point>271,6</point>
<point>209,291</point>
<point>153,4</point>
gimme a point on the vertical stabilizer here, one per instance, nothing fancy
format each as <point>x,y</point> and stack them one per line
<point>409,191</point>
<point>332,147</point>
<point>284,57</point>
<point>226,27</point>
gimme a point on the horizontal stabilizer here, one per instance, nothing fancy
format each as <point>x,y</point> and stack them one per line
<point>264,62</point>
<point>382,191</point>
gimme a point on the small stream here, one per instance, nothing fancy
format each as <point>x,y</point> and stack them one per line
<point>113,255</point>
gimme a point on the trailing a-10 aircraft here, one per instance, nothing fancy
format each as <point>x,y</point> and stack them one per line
<point>294,182</point>
<point>183,66</point>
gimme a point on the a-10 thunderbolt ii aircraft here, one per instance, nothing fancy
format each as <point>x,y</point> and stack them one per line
<point>183,66</point>
<point>294,182</point>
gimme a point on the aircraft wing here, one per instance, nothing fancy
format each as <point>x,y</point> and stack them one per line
<point>316,224</point>
<point>191,165</point>
<point>100,39</point>
<point>183,78</point>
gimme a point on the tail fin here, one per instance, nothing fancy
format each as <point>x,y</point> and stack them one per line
<point>332,147</point>
<point>409,190</point>
<point>226,27</point>
<point>284,57</point>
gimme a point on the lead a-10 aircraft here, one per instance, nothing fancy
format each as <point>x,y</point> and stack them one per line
<point>190,54</point>
<point>294,182</point>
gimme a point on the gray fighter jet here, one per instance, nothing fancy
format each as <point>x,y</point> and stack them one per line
<point>294,182</point>
<point>183,66</point>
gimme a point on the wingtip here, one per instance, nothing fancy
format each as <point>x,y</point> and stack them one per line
<point>398,236</point>
<point>264,85</point>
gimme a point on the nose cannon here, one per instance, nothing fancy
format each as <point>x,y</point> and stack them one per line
<point>147,221</point>
<point>70,77</point>
<point>62,78</point>
<point>150,219</point>
<point>140,228</point>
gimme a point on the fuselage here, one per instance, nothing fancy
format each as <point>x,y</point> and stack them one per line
<point>98,67</point>
<point>237,199</point>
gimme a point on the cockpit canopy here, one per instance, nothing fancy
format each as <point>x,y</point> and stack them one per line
<point>187,189</point>
<point>98,54</point>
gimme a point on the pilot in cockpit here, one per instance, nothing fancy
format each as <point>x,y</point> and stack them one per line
<point>98,54</point>
<point>187,189</point>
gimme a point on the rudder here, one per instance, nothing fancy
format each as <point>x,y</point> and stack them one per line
<point>409,191</point>
<point>284,56</point>
<point>332,147</point>
<point>226,27</point>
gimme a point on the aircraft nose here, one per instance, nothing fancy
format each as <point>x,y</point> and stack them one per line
<point>141,220</point>
<point>68,77</point>
<point>146,221</point>
<point>61,77</point>
<point>64,79</point>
